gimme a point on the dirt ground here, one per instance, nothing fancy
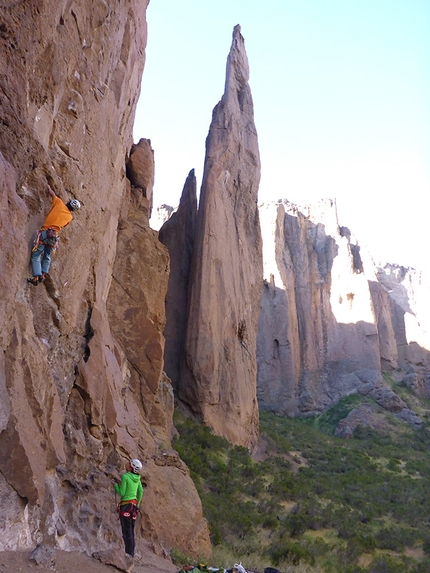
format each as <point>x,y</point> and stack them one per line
<point>73,562</point>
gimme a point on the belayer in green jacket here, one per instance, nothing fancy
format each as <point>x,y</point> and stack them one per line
<point>131,492</point>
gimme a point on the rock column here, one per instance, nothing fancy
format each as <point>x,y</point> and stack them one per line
<point>219,379</point>
<point>177,234</point>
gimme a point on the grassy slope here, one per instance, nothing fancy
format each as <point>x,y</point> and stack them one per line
<point>317,502</point>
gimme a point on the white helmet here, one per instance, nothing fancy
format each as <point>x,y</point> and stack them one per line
<point>74,204</point>
<point>136,465</point>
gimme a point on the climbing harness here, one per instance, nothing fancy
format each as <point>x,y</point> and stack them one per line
<point>128,509</point>
<point>50,239</point>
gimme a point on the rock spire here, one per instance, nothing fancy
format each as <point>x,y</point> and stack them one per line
<point>177,234</point>
<point>317,338</point>
<point>219,378</point>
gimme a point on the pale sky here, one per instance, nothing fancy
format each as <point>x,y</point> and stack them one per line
<point>341,92</point>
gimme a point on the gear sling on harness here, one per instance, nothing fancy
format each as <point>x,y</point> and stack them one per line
<point>50,239</point>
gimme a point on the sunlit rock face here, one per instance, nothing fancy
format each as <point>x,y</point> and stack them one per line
<point>219,379</point>
<point>401,299</point>
<point>317,338</point>
<point>81,368</point>
<point>331,321</point>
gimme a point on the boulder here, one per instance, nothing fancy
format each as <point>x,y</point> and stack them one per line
<point>366,416</point>
<point>140,172</point>
<point>121,561</point>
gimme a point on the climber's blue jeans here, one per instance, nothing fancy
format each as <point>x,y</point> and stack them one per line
<point>41,258</point>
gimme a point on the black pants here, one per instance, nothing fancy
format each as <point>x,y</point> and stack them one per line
<point>127,526</point>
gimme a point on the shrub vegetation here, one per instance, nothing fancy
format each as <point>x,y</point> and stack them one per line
<point>317,502</point>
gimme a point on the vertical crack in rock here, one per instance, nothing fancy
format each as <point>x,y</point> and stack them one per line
<point>89,333</point>
<point>218,380</point>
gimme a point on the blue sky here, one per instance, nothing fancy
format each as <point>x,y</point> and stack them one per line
<point>341,93</point>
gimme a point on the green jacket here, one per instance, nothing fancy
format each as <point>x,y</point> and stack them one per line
<point>130,488</point>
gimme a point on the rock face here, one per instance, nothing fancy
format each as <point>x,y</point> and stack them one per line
<point>317,338</point>
<point>178,234</point>
<point>140,173</point>
<point>219,378</point>
<point>331,321</point>
<point>81,368</point>
<point>400,298</point>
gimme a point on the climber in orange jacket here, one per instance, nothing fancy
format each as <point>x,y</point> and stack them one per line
<point>46,241</point>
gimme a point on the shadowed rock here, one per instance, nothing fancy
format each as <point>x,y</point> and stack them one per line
<point>121,561</point>
<point>177,234</point>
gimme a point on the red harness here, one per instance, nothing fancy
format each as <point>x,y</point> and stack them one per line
<point>128,508</point>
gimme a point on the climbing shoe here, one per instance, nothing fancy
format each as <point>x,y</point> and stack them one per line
<point>41,278</point>
<point>34,281</point>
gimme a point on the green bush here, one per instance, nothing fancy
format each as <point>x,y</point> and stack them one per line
<point>386,564</point>
<point>290,552</point>
<point>396,538</point>
<point>423,567</point>
<point>426,547</point>
<point>328,421</point>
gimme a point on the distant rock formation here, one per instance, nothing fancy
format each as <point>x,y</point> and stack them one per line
<point>81,369</point>
<point>218,381</point>
<point>317,338</point>
<point>161,215</point>
<point>178,234</point>
<point>331,321</point>
<point>401,300</point>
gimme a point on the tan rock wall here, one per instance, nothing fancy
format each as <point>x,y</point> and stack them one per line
<point>317,338</point>
<point>331,321</point>
<point>406,317</point>
<point>219,383</point>
<point>81,380</point>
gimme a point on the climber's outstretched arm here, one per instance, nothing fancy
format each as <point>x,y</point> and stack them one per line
<point>51,192</point>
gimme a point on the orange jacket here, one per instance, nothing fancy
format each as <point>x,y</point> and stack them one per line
<point>59,216</point>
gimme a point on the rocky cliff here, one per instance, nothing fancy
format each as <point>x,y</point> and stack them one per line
<point>81,368</point>
<point>331,322</point>
<point>218,375</point>
<point>317,337</point>
<point>82,386</point>
<point>400,296</point>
